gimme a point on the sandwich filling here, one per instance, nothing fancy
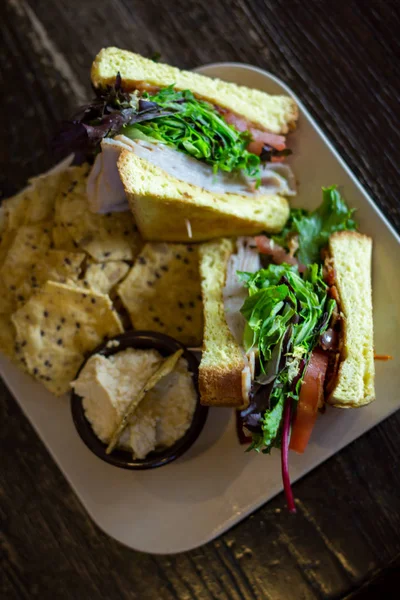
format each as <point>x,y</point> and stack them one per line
<point>190,138</point>
<point>290,322</point>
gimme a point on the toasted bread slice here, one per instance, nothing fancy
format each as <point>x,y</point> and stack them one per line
<point>351,253</point>
<point>276,114</point>
<point>222,361</point>
<point>170,210</point>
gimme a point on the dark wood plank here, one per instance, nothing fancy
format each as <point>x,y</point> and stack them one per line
<point>342,59</point>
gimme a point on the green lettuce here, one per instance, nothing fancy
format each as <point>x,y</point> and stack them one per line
<point>281,301</point>
<point>196,128</point>
<point>314,228</point>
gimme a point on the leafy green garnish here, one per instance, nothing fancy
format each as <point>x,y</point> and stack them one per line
<point>314,228</point>
<point>281,301</point>
<point>196,128</point>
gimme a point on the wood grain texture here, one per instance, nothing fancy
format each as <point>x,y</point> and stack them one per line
<point>342,59</point>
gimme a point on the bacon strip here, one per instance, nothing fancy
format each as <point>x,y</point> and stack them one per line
<point>278,254</point>
<point>259,137</point>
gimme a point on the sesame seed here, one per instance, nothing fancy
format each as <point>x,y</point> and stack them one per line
<point>142,260</point>
<point>42,333</point>
<point>190,249</point>
<point>191,304</point>
<point>62,320</point>
<point>58,327</point>
<point>93,300</point>
<point>179,328</point>
<point>67,261</point>
<point>164,268</point>
<point>59,342</point>
<point>45,313</point>
<point>77,325</point>
<point>186,261</point>
<point>178,256</point>
<point>188,318</point>
<point>156,319</point>
<point>181,305</point>
<point>149,283</point>
<point>106,253</point>
<point>35,371</point>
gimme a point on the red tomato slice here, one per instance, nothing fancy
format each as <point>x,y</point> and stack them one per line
<point>310,395</point>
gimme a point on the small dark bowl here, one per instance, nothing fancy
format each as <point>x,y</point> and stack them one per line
<point>122,458</point>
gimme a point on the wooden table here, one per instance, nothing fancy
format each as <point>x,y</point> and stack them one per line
<point>342,58</point>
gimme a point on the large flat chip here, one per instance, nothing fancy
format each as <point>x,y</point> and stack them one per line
<point>112,236</point>
<point>162,292</point>
<point>36,202</point>
<point>52,265</point>
<point>58,326</point>
<point>27,245</point>
<point>103,277</point>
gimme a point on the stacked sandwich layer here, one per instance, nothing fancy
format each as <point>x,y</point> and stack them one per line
<point>194,158</point>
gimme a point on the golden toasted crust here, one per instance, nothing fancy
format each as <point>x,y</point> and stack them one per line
<point>351,253</point>
<point>277,114</point>
<point>166,209</point>
<point>221,386</point>
<point>222,362</point>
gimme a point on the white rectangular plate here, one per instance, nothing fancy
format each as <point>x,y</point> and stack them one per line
<point>216,484</point>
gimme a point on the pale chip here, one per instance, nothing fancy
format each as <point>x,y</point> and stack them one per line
<point>29,242</point>
<point>58,326</point>
<point>62,240</point>
<point>7,336</point>
<point>102,277</point>
<point>43,196</point>
<point>162,292</point>
<point>109,237</point>
<point>35,203</point>
<point>7,304</point>
<point>15,209</point>
<point>52,265</point>
<point>7,299</point>
<point>7,238</point>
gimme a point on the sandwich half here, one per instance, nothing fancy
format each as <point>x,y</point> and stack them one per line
<point>288,324</point>
<point>224,371</point>
<point>204,149</point>
<point>276,114</point>
<point>168,209</point>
